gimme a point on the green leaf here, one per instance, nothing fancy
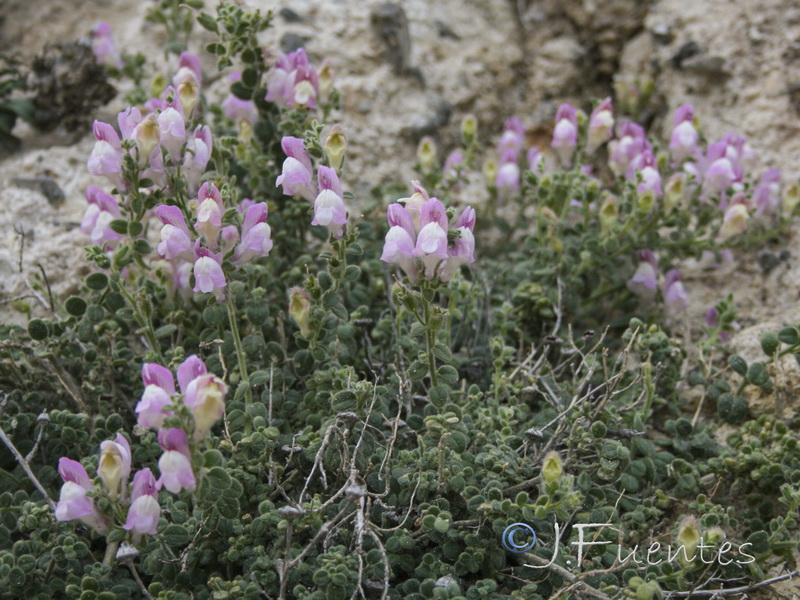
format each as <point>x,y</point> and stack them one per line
<point>213,458</point>
<point>207,22</point>
<point>175,535</point>
<point>258,378</point>
<point>228,507</point>
<point>218,478</point>
<point>417,370</point>
<point>166,331</point>
<point>97,281</point>
<point>738,364</point>
<point>119,226</point>
<point>75,306</point>
<point>789,335</point>
<point>448,374</point>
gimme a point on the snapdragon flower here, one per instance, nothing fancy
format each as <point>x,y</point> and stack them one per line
<point>736,218</point>
<point>103,46</point>
<point>644,282</point>
<point>421,244</point>
<point>208,273</point>
<point>651,179</point>
<point>293,81</point>
<point>176,238</point>
<point>767,195</point>
<point>144,511</point>
<point>601,126</point>
<point>101,210</point>
<point>256,235</point>
<point>205,397</point>
<point>114,466</point>
<point>684,142</point>
<point>198,152</point>
<point>624,151</point>
<point>237,109</point>
<point>106,157</point>
<point>565,134</point>
<point>675,297</point>
<point>329,208</point>
<point>175,463</point>
<point>453,164</point>
<point>73,502</point>
<point>297,175</point>
<point>209,213</point>
<point>507,180</point>
<point>513,138</point>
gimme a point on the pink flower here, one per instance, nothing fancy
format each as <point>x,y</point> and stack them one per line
<point>106,157</point>
<point>176,239</point>
<point>175,463</point>
<point>513,137</point>
<point>208,274</point>
<point>293,81</point>
<point>624,151</point>
<point>298,173</point>
<point>103,46</point>
<point>329,208</point>
<point>96,223</point>
<point>601,125</point>
<point>651,180</point>
<point>452,165</point>
<point>644,281</point>
<point>422,243</point>
<point>73,502</point>
<point>256,240</point>
<point>188,66</point>
<point>238,109</point>
<point>684,142</point>
<point>507,180</point>
<point>535,159</point>
<point>209,213</point>
<point>190,369</point>
<point>205,397</point>
<point>150,409</point>
<point>155,374</point>
<point>719,177</point>
<point>767,193</point>
<point>198,152</point>
<point>144,512</point>
<point>675,298</point>
<point>565,135</point>
<point>173,132</point>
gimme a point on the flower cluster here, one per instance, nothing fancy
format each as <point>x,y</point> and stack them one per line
<point>293,81</point>
<point>199,250</point>
<point>114,468</point>
<point>159,140</point>
<point>420,240</point>
<point>644,283</point>
<point>297,179</point>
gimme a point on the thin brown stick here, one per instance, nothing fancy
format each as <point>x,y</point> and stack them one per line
<point>25,467</point>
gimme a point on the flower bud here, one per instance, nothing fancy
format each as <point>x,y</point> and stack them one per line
<point>689,538</point>
<point>426,154</point>
<point>715,535</point>
<point>469,129</point>
<point>609,212</point>
<point>326,77</point>
<point>790,200</point>
<point>552,468</point>
<point>490,171</point>
<point>300,309</point>
<point>147,135</point>
<point>335,146</point>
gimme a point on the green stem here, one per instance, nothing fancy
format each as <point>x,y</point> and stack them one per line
<point>237,342</point>
<point>143,322</point>
<point>111,554</point>
<point>430,339</point>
